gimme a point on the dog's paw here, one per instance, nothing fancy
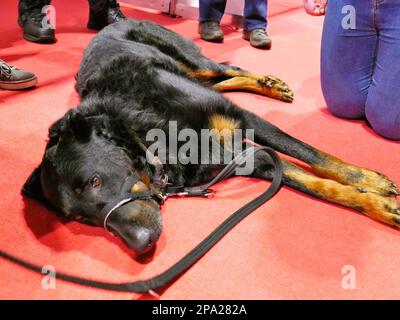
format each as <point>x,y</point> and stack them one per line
<point>365,180</point>
<point>372,181</point>
<point>276,88</point>
<point>384,209</point>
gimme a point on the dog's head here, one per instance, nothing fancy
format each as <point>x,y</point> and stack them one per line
<point>85,167</point>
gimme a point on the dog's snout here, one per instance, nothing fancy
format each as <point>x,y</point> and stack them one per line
<point>138,223</point>
<point>140,240</point>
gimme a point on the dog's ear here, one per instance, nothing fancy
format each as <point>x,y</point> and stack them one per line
<point>72,123</point>
<point>79,126</point>
<point>33,186</point>
<point>57,129</point>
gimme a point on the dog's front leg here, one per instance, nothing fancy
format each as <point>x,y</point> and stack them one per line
<point>324,165</point>
<point>364,179</point>
<point>378,207</point>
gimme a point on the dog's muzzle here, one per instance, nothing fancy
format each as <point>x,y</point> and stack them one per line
<point>125,197</point>
<point>166,190</point>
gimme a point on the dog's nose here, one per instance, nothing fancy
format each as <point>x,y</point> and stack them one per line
<point>140,240</point>
<point>138,223</point>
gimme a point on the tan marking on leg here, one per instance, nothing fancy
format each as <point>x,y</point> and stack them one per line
<point>384,209</point>
<point>236,83</point>
<point>243,73</point>
<point>265,86</point>
<point>200,73</point>
<point>365,179</point>
<point>204,74</point>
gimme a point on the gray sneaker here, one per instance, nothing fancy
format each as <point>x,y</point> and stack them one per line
<point>12,78</point>
<point>211,31</point>
<point>258,38</point>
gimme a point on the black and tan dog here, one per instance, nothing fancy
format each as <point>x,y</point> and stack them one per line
<point>137,76</point>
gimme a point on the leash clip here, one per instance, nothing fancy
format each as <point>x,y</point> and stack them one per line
<point>209,193</point>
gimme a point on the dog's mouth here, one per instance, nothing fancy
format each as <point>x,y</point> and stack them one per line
<point>138,223</point>
<point>134,216</point>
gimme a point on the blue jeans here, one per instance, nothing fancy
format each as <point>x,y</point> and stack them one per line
<point>360,67</point>
<point>255,12</point>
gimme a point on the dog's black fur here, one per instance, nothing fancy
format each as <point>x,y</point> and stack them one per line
<point>131,80</point>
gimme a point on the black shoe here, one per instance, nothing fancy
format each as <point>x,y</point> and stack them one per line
<point>98,19</point>
<point>258,38</point>
<point>211,31</point>
<point>30,18</point>
<point>12,78</point>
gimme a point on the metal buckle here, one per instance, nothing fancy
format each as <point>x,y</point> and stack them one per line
<point>181,194</point>
<point>208,193</point>
<point>162,197</point>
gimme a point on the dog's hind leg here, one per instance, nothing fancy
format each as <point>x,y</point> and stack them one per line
<point>267,86</point>
<point>190,60</point>
<point>378,207</point>
<point>324,165</point>
<point>227,78</point>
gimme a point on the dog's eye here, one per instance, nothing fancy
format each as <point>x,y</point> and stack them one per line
<point>95,181</point>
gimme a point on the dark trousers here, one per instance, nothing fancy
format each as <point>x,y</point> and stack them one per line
<point>255,12</point>
<point>98,5</point>
<point>95,5</point>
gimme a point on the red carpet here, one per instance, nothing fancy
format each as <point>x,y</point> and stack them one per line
<point>294,247</point>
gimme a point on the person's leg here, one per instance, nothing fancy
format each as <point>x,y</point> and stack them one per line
<point>255,14</point>
<point>210,15</point>
<point>348,56</point>
<point>98,5</point>
<point>255,23</point>
<point>211,10</point>
<point>102,13</point>
<point>383,103</point>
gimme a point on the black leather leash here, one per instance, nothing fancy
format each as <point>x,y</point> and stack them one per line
<point>168,276</point>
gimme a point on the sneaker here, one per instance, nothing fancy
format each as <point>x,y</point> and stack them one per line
<point>111,14</point>
<point>258,38</point>
<point>30,18</point>
<point>211,31</point>
<point>12,78</point>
